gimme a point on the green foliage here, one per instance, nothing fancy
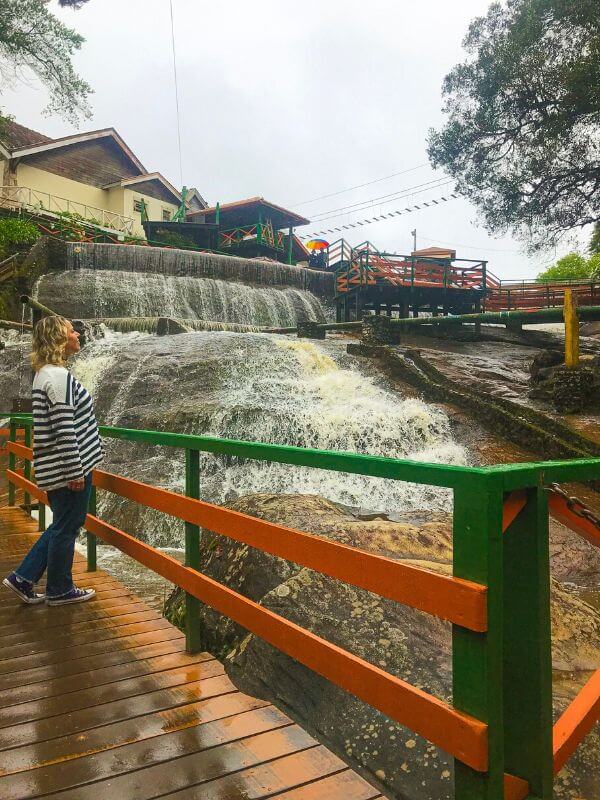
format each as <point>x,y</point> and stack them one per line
<point>34,41</point>
<point>571,267</point>
<point>594,265</point>
<point>15,232</point>
<point>174,239</point>
<point>523,119</point>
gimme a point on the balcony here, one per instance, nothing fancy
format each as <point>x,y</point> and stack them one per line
<point>22,197</point>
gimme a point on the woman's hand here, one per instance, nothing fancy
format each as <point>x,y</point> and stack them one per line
<point>76,486</point>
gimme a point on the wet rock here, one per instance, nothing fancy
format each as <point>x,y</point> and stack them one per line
<point>574,389</point>
<point>404,642</point>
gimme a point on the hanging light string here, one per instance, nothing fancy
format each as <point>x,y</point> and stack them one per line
<point>176,94</point>
<point>381,217</point>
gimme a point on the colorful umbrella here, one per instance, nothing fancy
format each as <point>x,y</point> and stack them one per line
<point>317,244</point>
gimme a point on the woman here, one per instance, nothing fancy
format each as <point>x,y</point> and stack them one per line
<point>66,447</point>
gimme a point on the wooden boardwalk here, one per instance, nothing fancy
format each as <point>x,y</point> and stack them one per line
<point>100,700</point>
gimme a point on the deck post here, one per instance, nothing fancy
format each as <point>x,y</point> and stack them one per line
<point>192,552</point>
<point>12,462</point>
<point>571,330</point>
<point>527,647</point>
<point>290,245</point>
<point>27,471</point>
<point>90,537</point>
<point>477,657</point>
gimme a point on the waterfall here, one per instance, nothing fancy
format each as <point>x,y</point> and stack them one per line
<point>101,293</point>
<point>187,263</point>
<point>258,387</point>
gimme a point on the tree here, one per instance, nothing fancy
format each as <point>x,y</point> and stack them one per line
<point>523,127</point>
<point>571,267</point>
<point>33,40</point>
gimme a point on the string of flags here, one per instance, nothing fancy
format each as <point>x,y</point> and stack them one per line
<point>380,217</point>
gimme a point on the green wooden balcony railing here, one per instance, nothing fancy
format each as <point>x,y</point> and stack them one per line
<point>501,665</point>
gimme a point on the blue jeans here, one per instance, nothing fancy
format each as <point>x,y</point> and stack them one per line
<point>55,548</point>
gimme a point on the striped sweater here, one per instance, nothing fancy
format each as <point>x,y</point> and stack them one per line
<point>66,444</point>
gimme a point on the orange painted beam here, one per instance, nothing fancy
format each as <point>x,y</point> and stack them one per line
<point>515,788</point>
<point>457,733</point>
<point>454,599</point>
<point>20,450</point>
<point>576,722</point>
<point>559,509</point>
<point>460,601</point>
<point>513,505</point>
<point>19,480</point>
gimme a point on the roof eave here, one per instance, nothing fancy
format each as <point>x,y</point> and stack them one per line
<point>67,141</point>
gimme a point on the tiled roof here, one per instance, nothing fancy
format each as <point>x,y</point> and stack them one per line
<point>17,136</point>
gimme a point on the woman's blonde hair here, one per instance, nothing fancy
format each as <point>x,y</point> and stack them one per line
<point>50,337</point>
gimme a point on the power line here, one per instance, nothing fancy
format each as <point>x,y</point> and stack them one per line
<point>176,94</point>
<point>383,199</point>
<point>388,215</point>
<point>468,246</point>
<point>359,186</point>
<point>409,192</point>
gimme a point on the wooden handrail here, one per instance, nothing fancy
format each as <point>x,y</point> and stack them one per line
<point>459,601</point>
<point>576,721</point>
<point>459,734</point>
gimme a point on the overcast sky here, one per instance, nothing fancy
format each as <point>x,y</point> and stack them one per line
<point>291,101</point>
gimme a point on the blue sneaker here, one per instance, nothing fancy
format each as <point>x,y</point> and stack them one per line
<point>74,596</point>
<point>24,589</point>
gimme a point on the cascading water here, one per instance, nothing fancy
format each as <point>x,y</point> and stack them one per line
<point>165,261</point>
<point>100,293</point>
<point>261,388</point>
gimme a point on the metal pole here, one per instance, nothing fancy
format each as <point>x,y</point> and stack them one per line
<point>414,235</point>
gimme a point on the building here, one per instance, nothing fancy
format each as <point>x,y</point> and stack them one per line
<point>254,228</point>
<point>94,174</point>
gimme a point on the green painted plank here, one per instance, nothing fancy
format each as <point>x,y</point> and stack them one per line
<point>477,657</point>
<point>527,647</point>
<point>192,552</point>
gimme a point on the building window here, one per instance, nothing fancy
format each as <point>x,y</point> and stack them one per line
<point>138,205</point>
<point>166,215</point>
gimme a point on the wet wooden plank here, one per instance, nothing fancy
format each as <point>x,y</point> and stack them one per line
<point>97,739</point>
<point>215,747</point>
<point>94,648</point>
<point>115,711</point>
<point>260,782</point>
<point>86,698</point>
<point>96,663</point>
<point>95,678</point>
<point>341,786</point>
<point>101,700</point>
<point>67,640</point>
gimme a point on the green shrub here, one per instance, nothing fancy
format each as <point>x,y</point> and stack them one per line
<point>174,239</point>
<point>15,232</point>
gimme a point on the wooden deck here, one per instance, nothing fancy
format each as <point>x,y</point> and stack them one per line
<point>100,700</point>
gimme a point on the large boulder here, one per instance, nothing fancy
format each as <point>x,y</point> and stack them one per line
<point>407,643</point>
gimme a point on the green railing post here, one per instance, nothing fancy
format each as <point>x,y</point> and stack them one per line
<point>27,470</point>
<point>290,245</point>
<point>192,552</point>
<point>477,657</point>
<point>527,648</point>
<point>91,541</point>
<point>12,462</point>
